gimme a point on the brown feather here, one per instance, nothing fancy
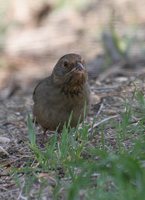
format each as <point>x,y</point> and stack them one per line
<point>66,91</point>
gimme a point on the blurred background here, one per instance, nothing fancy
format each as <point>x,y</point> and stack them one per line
<point>34,34</point>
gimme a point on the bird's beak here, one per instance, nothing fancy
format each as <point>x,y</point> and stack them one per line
<point>79,66</point>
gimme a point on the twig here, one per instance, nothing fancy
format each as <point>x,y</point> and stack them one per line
<point>100,108</point>
<point>20,194</point>
<point>4,151</point>
<point>101,122</point>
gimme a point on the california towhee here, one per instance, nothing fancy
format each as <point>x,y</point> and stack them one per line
<point>64,92</point>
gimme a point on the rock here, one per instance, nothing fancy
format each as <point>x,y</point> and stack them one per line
<point>4,140</point>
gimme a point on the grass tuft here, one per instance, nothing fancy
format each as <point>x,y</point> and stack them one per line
<point>82,168</point>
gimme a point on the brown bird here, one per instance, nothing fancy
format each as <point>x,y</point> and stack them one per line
<point>64,92</point>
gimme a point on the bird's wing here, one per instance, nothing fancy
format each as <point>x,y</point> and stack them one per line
<point>35,90</point>
<point>41,86</point>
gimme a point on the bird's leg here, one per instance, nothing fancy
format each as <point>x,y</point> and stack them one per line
<point>44,139</point>
<point>47,134</point>
<point>44,132</point>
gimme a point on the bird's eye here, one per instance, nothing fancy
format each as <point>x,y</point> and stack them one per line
<point>65,63</point>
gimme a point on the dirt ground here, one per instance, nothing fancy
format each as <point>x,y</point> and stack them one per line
<point>22,66</point>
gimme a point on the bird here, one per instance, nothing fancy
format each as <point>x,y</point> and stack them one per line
<point>63,94</point>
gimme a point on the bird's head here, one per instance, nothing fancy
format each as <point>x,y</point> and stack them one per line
<point>70,72</point>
